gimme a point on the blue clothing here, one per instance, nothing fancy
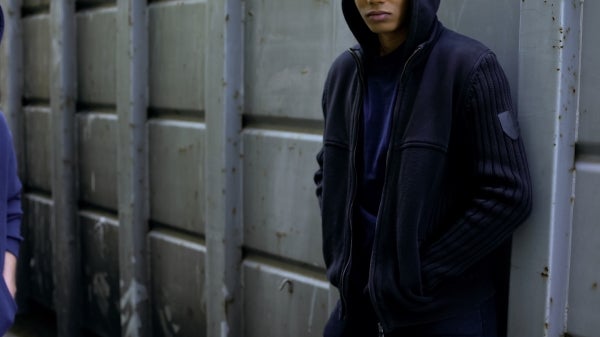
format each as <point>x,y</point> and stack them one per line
<point>382,74</point>
<point>10,219</point>
<point>10,214</point>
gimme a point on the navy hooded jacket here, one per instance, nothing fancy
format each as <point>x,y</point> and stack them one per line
<point>456,185</point>
<point>10,213</point>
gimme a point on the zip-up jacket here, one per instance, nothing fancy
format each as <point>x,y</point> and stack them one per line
<point>10,214</point>
<point>456,185</point>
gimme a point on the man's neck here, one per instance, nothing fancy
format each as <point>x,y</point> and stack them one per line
<point>390,41</point>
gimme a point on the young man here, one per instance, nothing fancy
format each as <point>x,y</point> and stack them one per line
<point>10,222</point>
<point>423,176</point>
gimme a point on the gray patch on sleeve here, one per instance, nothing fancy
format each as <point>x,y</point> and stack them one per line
<point>509,124</point>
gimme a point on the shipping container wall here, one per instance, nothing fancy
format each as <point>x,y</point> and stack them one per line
<point>167,150</point>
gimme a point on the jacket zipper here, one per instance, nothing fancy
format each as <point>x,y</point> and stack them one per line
<point>384,188</point>
<point>354,127</point>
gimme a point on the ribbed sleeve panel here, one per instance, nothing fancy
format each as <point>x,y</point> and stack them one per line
<point>502,187</point>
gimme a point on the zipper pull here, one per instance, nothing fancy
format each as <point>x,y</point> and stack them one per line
<point>380,327</point>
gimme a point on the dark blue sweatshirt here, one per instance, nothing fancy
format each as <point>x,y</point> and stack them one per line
<point>382,74</point>
<point>10,214</point>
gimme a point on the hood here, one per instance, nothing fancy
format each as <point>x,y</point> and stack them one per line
<point>422,18</point>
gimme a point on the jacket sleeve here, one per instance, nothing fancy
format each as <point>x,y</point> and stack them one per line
<point>14,211</point>
<point>318,176</point>
<point>501,196</point>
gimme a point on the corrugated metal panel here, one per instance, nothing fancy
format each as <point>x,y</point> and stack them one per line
<point>178,285</point>
<point>37,250</point>
<point>590,78</point>
<point>36,47</point>
<point>224,106</point>
<point>96,43</point>
<point>100,251</point>
<point>548,66</point>
<point>132,165</point>
<point>281,213</point>
<point>584,285</point>
<point>283,301</point>
<point>306,33</point>
<point>480,20</point>
<point>66,237</point>
<point>584,281</point>
<point>177,193</point>
<point>177,47</point>
<point>38,148</point>
<point>97,146</point>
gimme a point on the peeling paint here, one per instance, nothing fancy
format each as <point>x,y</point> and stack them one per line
<point>169,328</point>
<point>100,289</point>
<point>99,230</point>
<point>313,302</point>
<point>130,319</point>
<point>224,329</point>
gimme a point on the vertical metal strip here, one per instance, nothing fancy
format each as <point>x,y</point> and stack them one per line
<point>549,63</point>
<point>12,73</point>
<point>132,103</point>
<point>224,108</point>
<point>66,240</point>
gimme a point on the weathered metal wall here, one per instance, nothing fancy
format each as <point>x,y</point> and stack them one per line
<point>137,169</point>
<point>584,281</point>
<point>189,131</point>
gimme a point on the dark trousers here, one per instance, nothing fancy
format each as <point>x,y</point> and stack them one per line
<point>480,322</point>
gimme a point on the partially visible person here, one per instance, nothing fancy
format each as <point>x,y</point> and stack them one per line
<point>10,221</point>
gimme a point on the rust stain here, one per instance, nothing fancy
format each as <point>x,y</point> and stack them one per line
<point>545,273</point>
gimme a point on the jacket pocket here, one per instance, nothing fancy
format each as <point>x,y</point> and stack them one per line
<point>8,308</point>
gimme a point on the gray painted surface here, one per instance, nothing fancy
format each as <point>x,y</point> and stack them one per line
<point>66,240</point>
<point>100,251</point>
<point>38,148</point>
<point>177,48</point>
<point>36,57</point>
<point>281,300</point>
<point>96,43</point>
<point>584,282</point>
<point>224,108</point>
<point>584,291</point>
<point>37,253</point>
<point>590,78</point>
<point>132,166</point>
<point>281,213</point>
<point>495,23</point>
<point>176,150</point>
<point>281,28</point>
<point>177,285</point>
<point>548,101</point>
<point>97,147</point>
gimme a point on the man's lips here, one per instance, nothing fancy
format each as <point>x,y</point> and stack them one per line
<point>378,15</point>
